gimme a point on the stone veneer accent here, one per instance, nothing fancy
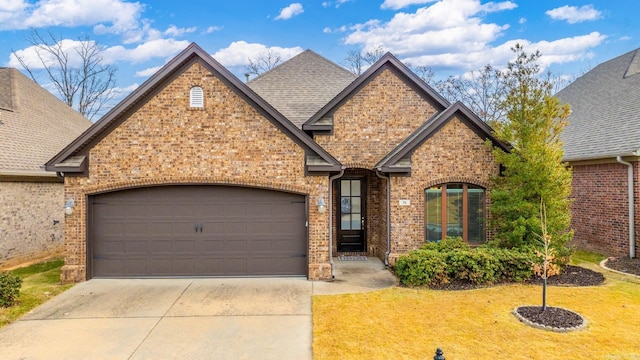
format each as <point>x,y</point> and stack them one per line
<point>164,141</point>
<point>27,213</point>
<point>600,213</point>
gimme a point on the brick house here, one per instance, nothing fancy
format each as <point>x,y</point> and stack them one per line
<point>34,126</point>
<point>602,143</point>
<point>198,173</point>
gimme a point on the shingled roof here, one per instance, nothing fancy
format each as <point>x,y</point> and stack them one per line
<point>605,110</point>
<point>34,125</point>
<point>299,87</point>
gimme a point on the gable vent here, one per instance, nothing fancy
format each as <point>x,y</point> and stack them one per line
<point>196,97</point>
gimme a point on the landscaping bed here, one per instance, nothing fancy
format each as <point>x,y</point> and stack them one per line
<point>625,265</point>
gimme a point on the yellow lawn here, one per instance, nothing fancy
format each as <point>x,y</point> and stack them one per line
<point>402,323</point>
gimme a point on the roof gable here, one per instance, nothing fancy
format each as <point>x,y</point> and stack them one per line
<point>605,110</point>
<point>318,121</point>
<point>34,125</point>
<point>300,86</point>
<point>398,160</point>
<point>318,160</point>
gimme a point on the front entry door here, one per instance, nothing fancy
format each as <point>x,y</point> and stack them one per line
<point>351,212</point>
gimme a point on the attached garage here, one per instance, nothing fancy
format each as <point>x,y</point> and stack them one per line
<point>195,230</point>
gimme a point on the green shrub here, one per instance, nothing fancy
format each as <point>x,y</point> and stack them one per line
<point>422,267</point>
<point>9,288</point>
<point>453,260</point>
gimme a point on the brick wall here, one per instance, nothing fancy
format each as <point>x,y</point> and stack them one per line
<point>600,213</point>
<point>374,121</point>
<point>453,154</point>
<point>27,213</point>
<point>166,142</point>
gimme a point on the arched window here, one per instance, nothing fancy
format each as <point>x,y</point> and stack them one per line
<point>196,97</point>
<point>455,210</point>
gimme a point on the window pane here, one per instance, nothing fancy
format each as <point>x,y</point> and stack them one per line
<point>454,210</point>
<point>345,186</point>
<point>433,214</point>
<point>355,187</point>
<point>355,205</point>
<point>345,224</point>
<point>475,217</point>
<point>355,222</point>
<point>345,205</point>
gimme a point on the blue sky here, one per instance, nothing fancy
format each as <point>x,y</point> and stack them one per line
<point>451,36</point>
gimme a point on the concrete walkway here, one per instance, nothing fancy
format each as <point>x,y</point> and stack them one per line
<point>229,318</point>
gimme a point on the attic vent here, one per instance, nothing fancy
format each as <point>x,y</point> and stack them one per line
<point>196,97</point>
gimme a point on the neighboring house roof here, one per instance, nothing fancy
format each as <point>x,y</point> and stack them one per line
<point>34,125</point>
<point>322,120</point>
<point>605,110</point>
<point>72,158</point>
<point>398,160</point>
<point>299,87</point>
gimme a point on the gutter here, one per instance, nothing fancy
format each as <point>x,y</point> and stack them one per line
<point>386,253</point>
<point>632,243</point>
<point>330,201</point>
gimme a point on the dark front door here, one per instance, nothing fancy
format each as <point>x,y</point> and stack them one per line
<point>351,212</point>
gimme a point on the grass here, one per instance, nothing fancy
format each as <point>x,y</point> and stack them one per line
<point>40,282</point>
<point>405,323</point>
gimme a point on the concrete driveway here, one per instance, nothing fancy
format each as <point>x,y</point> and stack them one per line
<point>257,318</point>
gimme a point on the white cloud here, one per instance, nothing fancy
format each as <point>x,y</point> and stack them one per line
<point>574,14</point>
<point>121,16</point>
<point>399,4</point>
<point>211,29</point>
<point>159,48</point>
<point>327,4</point>
<point>290,11</point>
<point>176,31</point>
<point>34,56</point>
<point>447,26</point>
<point>553,52</point>
<point>238,53</point>
<point>147,72</point>
<point>522,20</point>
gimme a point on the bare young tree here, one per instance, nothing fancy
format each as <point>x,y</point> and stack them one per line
<point>357,60</point>
<point>78,73</point>
<point>481,90</point>
<point>263,62</point>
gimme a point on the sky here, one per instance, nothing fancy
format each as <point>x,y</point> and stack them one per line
<point>450,36</point>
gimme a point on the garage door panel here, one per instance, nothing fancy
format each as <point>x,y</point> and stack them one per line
<point>155,232</point>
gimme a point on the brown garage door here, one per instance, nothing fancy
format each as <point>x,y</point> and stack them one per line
<point>197,231</point>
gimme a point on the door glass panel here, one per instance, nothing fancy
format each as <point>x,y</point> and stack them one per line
<point>345,186</point>
<point>345,205</point>
<point>454,210</point>
<point>355,205</point>
<point>345,224</point>
<point>434,214</point>
<point>355,222</point>
<point>355,187</point>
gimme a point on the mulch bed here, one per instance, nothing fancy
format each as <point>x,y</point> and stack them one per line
<point>553,318</point>
<point>624,264</point>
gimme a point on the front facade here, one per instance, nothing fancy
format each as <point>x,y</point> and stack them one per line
<point>34,126</point>
<point>199,174</point>
<point>602,143</point>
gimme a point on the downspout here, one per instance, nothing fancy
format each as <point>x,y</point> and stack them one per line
<point>330,201</point>
<point>632,243</point>
<point>386,253</point>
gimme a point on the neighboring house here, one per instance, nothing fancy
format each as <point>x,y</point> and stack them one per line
<point>602,143</point>
<point>34,126</point>
<point>197,173</point>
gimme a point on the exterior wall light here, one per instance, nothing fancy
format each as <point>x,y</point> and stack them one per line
<point>68,206</point>
<point>322,207</point>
